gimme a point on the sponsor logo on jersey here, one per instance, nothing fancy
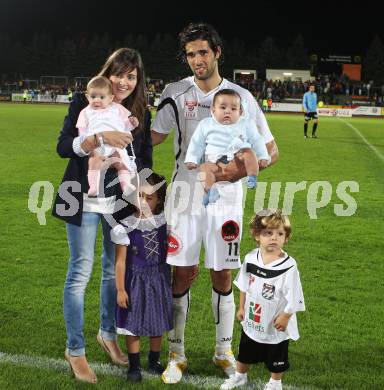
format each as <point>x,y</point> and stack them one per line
<point>230,231</point>
<point>174,244</point>
<point>190,111</point>
<point>251,325</point>
<point>191,105</point>
<point>254,312</point>
<point>268,291</point>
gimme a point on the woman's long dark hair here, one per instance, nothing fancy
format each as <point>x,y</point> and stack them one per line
<point>122,61</point>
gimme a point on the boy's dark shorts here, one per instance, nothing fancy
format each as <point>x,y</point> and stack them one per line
<point>275,356</point>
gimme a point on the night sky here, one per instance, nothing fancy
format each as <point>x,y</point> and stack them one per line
<point>327,28</point>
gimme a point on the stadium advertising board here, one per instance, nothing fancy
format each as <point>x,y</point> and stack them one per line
<point>18,97</point>
<point>5,97</point>
<point>370,111</point>
<point>343,112</point>
<point>45,98</point>
<point>287,107</point>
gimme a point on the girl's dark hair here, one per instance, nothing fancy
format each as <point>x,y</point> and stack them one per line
<point>122,61</point>
<point>202,31</point>
<point>154,179</point>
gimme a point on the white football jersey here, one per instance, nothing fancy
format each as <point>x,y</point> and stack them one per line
<point>183,105</point>
<point>270,290</point>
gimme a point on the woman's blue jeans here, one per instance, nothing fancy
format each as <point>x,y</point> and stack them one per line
<point>81,240</point>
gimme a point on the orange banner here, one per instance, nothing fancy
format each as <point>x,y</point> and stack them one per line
<point>353,71</point>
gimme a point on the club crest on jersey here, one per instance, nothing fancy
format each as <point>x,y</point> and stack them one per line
<point>230,231</point>
<point>190,111</point>
<point>268,291</point>
<point>174,245</point>
<point>254,313</point>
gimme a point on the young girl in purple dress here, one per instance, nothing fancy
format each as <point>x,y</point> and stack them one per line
<point>143,279</point>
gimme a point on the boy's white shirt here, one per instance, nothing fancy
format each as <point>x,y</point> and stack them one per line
<point>270,290</point>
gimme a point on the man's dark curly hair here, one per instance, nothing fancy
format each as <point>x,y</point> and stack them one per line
<point>203,31</point>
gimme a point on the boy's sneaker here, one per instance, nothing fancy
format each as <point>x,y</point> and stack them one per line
<point>174,371</point>
<point>270,386</point>
<point>227,362</point>
<point>134,375</point>
<point>233,382</point>
<point>155,368</point>
<point>252,182</point>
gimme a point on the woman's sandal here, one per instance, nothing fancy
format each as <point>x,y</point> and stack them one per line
<point>89,377</point>
<point>121,359</point>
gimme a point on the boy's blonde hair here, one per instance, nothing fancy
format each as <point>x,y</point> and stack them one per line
<point>272,219</point>
<point>100,82</point>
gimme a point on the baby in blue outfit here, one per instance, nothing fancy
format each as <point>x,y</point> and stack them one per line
<point>230,144</point>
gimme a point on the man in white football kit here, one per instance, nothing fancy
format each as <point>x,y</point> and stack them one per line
<point>182,105</point>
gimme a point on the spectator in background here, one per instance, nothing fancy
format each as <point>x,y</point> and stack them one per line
<point>53,96</point>
<point>265,104</point>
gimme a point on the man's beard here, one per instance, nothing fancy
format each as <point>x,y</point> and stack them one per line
<point>206,75</point>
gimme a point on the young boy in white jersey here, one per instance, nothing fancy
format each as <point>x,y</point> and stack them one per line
<point>182,105</point>
<point>229,140</point>
<point>102,114</point>
<point>270,296</point>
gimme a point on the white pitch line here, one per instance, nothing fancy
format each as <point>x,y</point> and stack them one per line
<point>378,154</point>
<point>45,363</point>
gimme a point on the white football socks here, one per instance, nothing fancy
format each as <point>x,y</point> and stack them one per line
<point>180,312</point>
<point>223,307</point>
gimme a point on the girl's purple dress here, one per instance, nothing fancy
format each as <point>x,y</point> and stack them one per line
<point>147,277</point>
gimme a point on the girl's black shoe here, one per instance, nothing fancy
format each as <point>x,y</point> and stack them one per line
<point>155,368</point>
<point>134,375</point>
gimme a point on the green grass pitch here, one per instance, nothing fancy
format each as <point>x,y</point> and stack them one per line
<point>340,258</point>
